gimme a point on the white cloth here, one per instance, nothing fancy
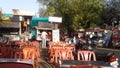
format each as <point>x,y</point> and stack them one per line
<point>44,39</point>
<point>44,35</point>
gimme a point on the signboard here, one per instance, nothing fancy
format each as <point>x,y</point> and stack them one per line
<point>55,35</point>
<point>38,34</point>
<point>55,19</point>
<point>23,12</point>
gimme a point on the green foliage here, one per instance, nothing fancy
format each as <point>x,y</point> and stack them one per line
<point>77,14</point>
<point>50,11</point>
<point>111,12</point>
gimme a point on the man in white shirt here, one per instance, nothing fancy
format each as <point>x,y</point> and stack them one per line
<point>44,39</point>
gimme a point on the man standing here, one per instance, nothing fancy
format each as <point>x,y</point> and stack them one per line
<point>44,39</point>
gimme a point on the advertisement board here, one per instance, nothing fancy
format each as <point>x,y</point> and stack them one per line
<point>56,35</point>
<point>55,19</point>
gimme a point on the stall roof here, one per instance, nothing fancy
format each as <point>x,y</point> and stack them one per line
<point>4,14</point>
<point>36,20</point>
<point>40,19</point>
<point>11,25</point>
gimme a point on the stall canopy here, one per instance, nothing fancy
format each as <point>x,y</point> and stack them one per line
<point>7,28</point>
<point>9,25</point>
<point>36,20</point>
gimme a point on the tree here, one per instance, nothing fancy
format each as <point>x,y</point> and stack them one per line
<point>76,14</point>
<point>46,9</point>
<point>89,13</point>
<point>112,12</point>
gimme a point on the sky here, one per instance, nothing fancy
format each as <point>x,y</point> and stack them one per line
<point>28,5</point>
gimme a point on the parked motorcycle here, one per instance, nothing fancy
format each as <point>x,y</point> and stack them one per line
<point>116,44</point>
<point>109,58</point>
<point>100,42</point>
<point>112,60</point>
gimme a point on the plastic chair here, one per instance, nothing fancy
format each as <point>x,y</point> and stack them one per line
<point>37,46</point>
<point>10,52</point>
<point>53,49</point>
<point>30,53</point>
<point>54,57</point>
<point>66,54</point>
<point>34,55</point>
<point>6,52</point>
<point>18,54</point>
<point>3,52</point>
<point>71,48</point>
<point>26,52</point>
<point>86,55</point>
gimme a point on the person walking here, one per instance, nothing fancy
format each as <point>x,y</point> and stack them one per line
<point>44,39</point>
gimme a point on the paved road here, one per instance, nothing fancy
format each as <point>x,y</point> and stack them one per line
<point>106,50</point>
<point>44,59</point>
